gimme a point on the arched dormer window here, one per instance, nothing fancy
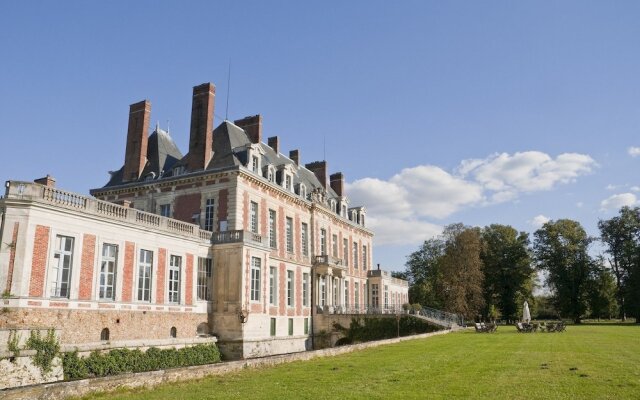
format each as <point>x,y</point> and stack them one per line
<point>286,177</point>
<point>302,190</point>
<point>254,159</point>
<point>332,205</point>
<point>270,173</point>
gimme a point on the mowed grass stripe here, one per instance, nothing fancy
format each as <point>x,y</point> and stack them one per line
<point>586,362</point>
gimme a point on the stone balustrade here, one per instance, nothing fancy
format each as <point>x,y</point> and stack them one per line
<point>28,191</point>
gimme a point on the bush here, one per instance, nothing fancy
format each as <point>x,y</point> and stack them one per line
<point>372,328</point>
<point>120,361</point>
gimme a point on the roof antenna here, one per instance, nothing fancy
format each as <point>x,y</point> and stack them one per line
<point>324,147</point>
<point>226,113</point>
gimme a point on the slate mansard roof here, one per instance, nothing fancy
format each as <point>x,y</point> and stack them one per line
<point>230,149</point>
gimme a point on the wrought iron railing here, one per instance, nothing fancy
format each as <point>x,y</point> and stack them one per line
<point>438,317</point>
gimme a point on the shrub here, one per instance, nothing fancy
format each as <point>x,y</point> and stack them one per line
<point>46,349</point>
<point>121,361</point>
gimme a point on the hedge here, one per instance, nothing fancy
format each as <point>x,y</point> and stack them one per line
<point>122,361</point>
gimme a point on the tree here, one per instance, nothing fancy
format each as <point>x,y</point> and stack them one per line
<point>601,292</point>
<point>461,269</point>
<point>446,272</point>
<point>561,249</point>
<point>508,272</point>
<point>621,235</point>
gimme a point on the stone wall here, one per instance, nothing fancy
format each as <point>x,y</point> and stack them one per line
<point>61,390</point>
<point>20,371</point>
<point>80,326</point>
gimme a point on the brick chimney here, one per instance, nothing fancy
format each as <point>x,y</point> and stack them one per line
<point>337,183</point>
<point>201,133</point>
<point>252,127</point>
<point>294,155</point>
<point>274,143</point>
<point>319,169</point>
<point>48,181</point>
<point>135,156</point>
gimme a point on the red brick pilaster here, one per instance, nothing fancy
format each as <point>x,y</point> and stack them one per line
<point>223,204</point>
<point>127,270</point>
<point>162,264</point>
<point>87,266</point>
<point>39,261</point>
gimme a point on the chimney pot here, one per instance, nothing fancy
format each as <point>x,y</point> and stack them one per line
<point>48,181</point>
<point>252,126</point>
<point>294,155</point>
<point>337,183</point>
<point>274,143</point>
<point>135,157</point>
<point>201,132</point>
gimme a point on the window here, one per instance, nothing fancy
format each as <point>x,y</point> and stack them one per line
<point>323,241</point>
<point>107,288</point>
<point>290,326</point>
<point>204,278</point>
<point>289,228</point>
<point>255,279</point>
<point>386,296</point>
<point>165,210</point>
<point>287,182</point>
<point>104,334</point>
<point>272,229</point>
<point>175,262</point>
<point>254,217</point>
<point>375,299</point>
<point>334,245</point>
<point>345,252</point>
<point>62,266</point>
<point>306,326</point>
<point>272,330</point>
<point>208,215</point>
<point>290,288</point>
<point>335,291</point>
<point>356,294</point>
<point>271,174</point>
<point>323,291</point>
<point>255,167</point>
<point>145,263</point>
<point>346,292</point>
<point>173,332</point>
<point>302,191</point>
<point>273,285</point>
<point>344,210</point>
<point>305,289</point>
<point>364,257</point>
<point>355,255</point>
<point>305,240</point>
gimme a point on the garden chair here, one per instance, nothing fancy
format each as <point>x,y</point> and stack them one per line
<point>519,327</point>
<point>478,328</point>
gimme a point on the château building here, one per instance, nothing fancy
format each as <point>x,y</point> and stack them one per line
<point>233,240</point>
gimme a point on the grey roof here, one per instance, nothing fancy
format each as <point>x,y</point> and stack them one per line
<point>230,144</point>
<point>162,154</point>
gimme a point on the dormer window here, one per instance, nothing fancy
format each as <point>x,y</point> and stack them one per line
<point>179,170</point>
<point>302,190</point>
<point>332,204</point>
<point>253,159</point>
<point>344,211</point>
<point>287,182</point>
<point>270,173</point>
<point>255,164</point>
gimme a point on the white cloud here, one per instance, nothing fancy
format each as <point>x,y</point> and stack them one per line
<point>539,220</point>
<point>617,201</point>
<point>579,204</point>
<point>635,188</point>
<point>634,151</point>
<point>398,209</point>
<point>527,171</point>
<point>611,187</point>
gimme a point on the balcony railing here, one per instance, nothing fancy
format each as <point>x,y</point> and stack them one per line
<point>238,237</point>
<point>438,317</point>
<point>89,205</point>
<point>329,260</point>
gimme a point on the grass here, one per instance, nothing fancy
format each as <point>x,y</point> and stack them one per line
<point>585,362</point>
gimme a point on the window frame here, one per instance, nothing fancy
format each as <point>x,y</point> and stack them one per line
<point>103,286</point>
<point>141,280</point>
<point>256,282</point>
<point>174,279</point>
<point>58,269</point>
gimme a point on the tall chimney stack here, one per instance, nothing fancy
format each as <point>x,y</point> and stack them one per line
<point>274,143</point>
<point>337,183</point>
<point>201,133</point>
<point>294,155</point>
<point>135,156</point>
<point>252,127</point>
<point>319,169</point>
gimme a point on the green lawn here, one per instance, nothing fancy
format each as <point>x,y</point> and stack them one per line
<point>585,362</point>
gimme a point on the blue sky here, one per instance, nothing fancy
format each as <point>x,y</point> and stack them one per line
<point>436,112</point>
